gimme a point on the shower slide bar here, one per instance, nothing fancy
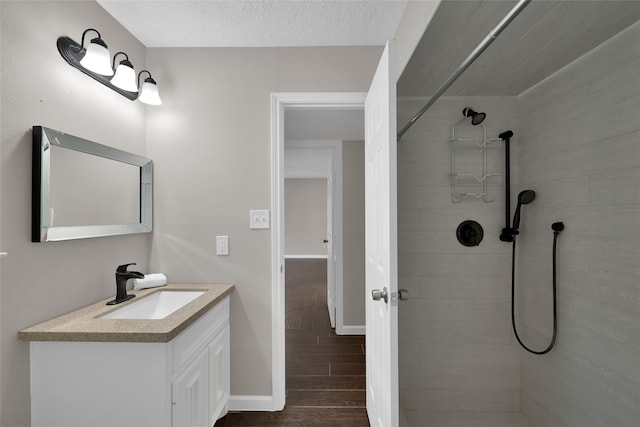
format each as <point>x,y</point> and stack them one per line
<point>493,34</point>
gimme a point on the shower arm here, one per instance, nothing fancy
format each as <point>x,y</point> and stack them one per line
<point>493,34</point>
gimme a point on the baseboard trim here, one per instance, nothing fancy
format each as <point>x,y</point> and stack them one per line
<point>249,403</point>
<point>306,256</point>
<point>351,330</point>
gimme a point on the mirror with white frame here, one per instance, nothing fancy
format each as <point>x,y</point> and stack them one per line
<point>83,189</point>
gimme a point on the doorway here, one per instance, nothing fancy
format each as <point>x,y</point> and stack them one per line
<point>313,208</point>
<point>287,105</point>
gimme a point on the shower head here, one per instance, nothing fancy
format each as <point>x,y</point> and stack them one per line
<point>476,118</point>
<point>524,198</point>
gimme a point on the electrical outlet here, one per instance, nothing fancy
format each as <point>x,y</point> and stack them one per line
<point>222,245</point>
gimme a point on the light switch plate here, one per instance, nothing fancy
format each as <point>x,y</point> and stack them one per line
<point>222,245</point>
<point>258,219</point>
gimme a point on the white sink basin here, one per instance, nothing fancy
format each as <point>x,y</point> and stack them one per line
<point>157,305</point>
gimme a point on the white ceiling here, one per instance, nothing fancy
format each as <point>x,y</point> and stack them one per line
<point>258,23</point>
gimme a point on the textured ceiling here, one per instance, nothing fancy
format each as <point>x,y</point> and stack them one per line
<point>258,23</point>
<point>545,37</point>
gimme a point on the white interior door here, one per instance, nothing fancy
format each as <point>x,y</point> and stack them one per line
<point>331,255</point>
<point>381,245</point>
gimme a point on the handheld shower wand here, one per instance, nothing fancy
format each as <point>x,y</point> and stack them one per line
<point>524,198</point>
<point>557,227</point>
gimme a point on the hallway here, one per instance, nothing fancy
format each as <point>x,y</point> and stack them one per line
<point>325,372</point>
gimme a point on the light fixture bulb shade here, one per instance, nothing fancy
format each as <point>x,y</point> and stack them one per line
<point>125,78</point>
<point>149,93</point>
<point>97,59</point>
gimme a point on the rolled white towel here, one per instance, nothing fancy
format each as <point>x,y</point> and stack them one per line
<point>150,281</point>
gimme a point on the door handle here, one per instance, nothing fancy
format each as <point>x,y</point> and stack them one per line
<point>383,294</point>
<point>378,294</point>
<point>325,241</point>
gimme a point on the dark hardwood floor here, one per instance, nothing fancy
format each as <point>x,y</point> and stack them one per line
<point>325,372</point>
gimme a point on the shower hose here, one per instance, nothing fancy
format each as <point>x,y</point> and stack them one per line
<point>557,227</point>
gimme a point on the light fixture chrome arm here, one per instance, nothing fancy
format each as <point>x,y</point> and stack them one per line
<point>84,33</point>
<point>493,34</point>
<point>126,59</point>
<point>140,74</point>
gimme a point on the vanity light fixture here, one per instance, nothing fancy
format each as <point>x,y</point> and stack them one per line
<point>149,91</point>
<point>95,61</point>
<point>96,57</point>
<point>125,77</point>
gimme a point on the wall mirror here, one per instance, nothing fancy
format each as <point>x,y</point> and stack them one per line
<point>83,189</point>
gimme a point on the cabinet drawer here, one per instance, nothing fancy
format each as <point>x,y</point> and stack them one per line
<point>196,337</point>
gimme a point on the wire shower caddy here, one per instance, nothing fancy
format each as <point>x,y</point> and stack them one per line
<point>466,185</point>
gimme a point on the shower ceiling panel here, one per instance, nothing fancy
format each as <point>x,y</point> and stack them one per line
<point>545,37</point>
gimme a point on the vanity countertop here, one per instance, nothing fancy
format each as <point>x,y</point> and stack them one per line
<point>86,325</point>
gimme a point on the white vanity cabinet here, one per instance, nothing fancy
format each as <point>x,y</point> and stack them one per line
<point>200,391</point>
<point>200,386</point>
<point>219,375</point>
<point>180,383</point>
<point>190,392</point>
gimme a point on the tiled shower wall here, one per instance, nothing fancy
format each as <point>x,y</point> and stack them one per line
<point>456,346</point>
<point>580,139</point>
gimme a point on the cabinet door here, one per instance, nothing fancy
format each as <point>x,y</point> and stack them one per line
<point>190,392</point>
<point>219,375</point>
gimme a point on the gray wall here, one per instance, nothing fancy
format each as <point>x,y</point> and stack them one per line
<point>353,268</point>
<point>210,142</point>
<point>305,216</point>
<point>456,348</point>
<point>581,154</point>
<point>43,280</point>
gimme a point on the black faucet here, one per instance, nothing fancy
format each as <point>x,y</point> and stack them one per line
<point>122,275</point>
